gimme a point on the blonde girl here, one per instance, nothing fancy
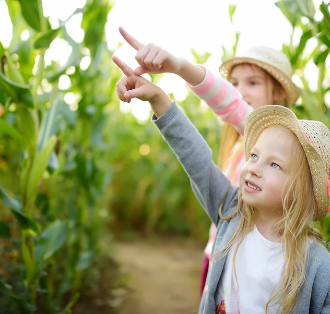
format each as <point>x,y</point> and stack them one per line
<point>260,76</point>
<point>267,257</point>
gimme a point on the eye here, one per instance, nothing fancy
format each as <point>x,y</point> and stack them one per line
<point>234,84</point>
<point>254,156</point>
<point>275,166</point>
<point>253,83</point>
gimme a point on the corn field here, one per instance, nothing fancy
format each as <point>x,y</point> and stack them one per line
<point>73,169</point>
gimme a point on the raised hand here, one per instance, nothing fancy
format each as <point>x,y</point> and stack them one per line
<point>133,86</point>
<point>152,59</point>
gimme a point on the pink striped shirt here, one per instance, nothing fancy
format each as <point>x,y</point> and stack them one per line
<point>222,97</point>
<point>226,102</point>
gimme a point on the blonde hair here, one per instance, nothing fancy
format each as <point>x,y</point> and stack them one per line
<point>295,230</point>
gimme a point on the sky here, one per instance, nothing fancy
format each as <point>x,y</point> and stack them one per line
<point>175,25</point>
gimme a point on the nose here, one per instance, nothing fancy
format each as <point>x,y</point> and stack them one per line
<point>255,171</point>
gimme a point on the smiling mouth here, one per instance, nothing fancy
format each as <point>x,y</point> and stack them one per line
<point>252,186</point>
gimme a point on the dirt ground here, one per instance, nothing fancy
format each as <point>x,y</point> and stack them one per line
<point>158,276</point>
<point>163,276</point>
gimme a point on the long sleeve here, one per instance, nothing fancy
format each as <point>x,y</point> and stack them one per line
<point>326,305</point>
<point>209,183</point>
<point>224,99</point>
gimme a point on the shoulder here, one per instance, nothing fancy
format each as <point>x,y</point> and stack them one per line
<point>318,272</point>
<point>318,264</point>
<point>321,254</point>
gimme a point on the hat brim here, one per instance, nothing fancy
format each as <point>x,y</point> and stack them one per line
<point>291,90</point>
<point>269,116</point>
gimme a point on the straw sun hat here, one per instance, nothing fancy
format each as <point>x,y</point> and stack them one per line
<point>314,138</point>
<point>274,62</point>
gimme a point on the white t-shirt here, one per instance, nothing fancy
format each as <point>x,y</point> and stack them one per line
<point>259,267</point>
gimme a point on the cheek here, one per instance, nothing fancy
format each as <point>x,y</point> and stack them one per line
<point>259,99</point>
<point>276,183</point>
<point>243,172</point>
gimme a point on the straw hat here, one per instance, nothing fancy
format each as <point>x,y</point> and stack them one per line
<point>314,138</point>
<point>274,62</point>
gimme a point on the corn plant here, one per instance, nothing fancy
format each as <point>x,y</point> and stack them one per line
<point>51,144</point>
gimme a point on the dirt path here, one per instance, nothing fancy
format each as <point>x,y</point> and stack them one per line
<point>164,276</point>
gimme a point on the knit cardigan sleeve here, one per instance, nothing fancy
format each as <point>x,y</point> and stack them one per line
<point>210,185</point>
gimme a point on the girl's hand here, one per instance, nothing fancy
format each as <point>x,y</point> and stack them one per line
<point>133,86</point>
<point>152,59</point>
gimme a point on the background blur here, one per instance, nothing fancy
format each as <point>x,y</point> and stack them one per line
<point>81,174</point>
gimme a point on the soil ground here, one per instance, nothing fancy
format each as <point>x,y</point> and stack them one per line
<point>160,276</point>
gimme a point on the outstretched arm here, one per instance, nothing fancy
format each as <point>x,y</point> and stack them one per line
<point>218,93</point>
<point>155,60</point>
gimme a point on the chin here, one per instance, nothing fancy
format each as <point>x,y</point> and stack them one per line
<point>247,200</point>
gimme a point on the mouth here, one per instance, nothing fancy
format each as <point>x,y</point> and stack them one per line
<point>252,185</point>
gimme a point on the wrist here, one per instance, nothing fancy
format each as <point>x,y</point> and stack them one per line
<point>191,73</point>
<point>160,103</point>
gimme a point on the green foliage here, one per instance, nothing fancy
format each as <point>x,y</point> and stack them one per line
<point>57,164</point>
<point>76,168</point>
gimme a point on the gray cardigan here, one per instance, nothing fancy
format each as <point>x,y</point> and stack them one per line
<point>210,186</point>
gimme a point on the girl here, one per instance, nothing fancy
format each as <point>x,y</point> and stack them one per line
<point>266,256</point>
<point>261,76</point>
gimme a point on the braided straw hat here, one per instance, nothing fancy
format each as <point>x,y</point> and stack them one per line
<point>314,138</point>
<point>274,62</point>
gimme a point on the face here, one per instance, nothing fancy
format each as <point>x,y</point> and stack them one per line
<point>263,177</point>
<point>251,82</point>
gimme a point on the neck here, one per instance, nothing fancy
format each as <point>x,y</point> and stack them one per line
<point>266,222</point>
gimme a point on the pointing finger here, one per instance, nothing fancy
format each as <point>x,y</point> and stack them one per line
<point>130,39</point>
<point>122,66</point>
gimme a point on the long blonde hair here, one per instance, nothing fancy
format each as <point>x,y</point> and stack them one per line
<point>294,228</point>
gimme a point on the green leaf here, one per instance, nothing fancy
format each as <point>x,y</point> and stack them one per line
<point>232,9</point>
<point>12,72</point>
<point>85,259</point>
<point>325,40</point>
<point>293,9</point>
<point>30,12</point>
<point>285,7</point>
<point>310,105</point>
<point>59,111</point>
<point>43,40</point>
<point>28,125</point>
<point>51,240</point>
<point>303,40</point>
<point>320,58</point>
<point>4,230</point>
<point>306,8</point>
<point>38,168</point>
<point>16,208</point>
<point>5,128</point>
<point>94,20</point>
<point>2,50</point>
<point>17,92</point>
<point>325,10</point>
